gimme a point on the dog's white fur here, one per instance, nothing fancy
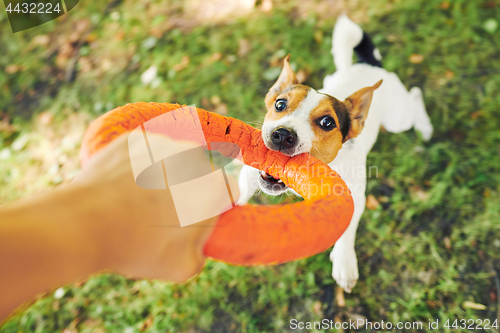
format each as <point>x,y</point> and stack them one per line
<point>392,106</point>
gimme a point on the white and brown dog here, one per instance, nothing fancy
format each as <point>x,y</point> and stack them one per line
<point>338,125</point>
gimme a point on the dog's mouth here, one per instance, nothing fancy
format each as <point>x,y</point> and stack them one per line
<point>292,151</point>
<point>271,180</point>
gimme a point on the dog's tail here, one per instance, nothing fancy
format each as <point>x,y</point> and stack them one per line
<point>348,38</point>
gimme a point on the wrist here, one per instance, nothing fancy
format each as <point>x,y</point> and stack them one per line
<point>45,242</point>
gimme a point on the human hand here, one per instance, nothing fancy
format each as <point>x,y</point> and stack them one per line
<point>137,229</point>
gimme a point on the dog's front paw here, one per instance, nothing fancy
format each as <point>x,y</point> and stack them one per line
<point>345,267</point>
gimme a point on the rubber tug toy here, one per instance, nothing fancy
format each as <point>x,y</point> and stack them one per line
<point>250,234</point>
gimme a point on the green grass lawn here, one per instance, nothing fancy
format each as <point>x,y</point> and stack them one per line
<point>429,251</point>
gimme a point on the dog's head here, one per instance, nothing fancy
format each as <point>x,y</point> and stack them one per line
<point>300,120</point>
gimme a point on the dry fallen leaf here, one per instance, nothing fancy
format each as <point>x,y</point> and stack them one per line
<point>214,104</point>
<point>391,182</point>
<point>42,40</point>
<point>317,307</point>
<point>474,306</point>
<point>91,38</point>
<point>45,118</point>
<point>449,74</point>
<point>425,276</point>
<point>67,330</point>
<point>318,36</point>
<point>74,323</point>
<point>422,195</point>
<point>338,319</point>
<point>6,126</point>
<point>79,28</point>
<point>383,199</point>
<point>476,114</point>
<point>205,103</point>
<point>119,36</point>
<point>391,38</point>
<point>146,324</point>
<point>106,64</point>
<point>215,57</point>
<point>244,47</point>
<point>64,53</point>
<point>418,193</point>
<point>221,109</point>
<point>359,319</point>
<point>85,64</point>
<point>215,100</point>
<point>11,69</point>
<point>434,304</point>
<point>339,296</point>
<point>447,243</point>
<point>416,58</point>
<point>372,202</point>
<point>445,5</point>
<point>156,32</point>
<point>183,64</point>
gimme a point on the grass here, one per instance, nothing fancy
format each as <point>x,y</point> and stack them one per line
<point>432,244</point>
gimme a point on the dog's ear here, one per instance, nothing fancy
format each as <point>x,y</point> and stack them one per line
<point>358,105</point>
<point>286,79</point>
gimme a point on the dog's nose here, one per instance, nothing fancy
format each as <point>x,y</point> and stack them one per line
<point>283,137</point>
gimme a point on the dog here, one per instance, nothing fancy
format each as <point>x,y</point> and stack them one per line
<point>338,125</point>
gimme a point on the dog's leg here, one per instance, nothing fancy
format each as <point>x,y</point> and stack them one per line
<point>248,183</point>
<point>405,109</point>
<point>422,121</point>
<point>343,255</point>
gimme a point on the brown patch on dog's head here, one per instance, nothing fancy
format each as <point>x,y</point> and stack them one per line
<point>349,116</point>
<point>327,142</point>
<point>293,96</point>
<point>286,80</point>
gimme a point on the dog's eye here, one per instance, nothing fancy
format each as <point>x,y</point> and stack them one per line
<point>327,123</point>
<point>280,105</point>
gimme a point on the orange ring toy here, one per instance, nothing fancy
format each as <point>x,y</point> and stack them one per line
<point>251,234</point>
